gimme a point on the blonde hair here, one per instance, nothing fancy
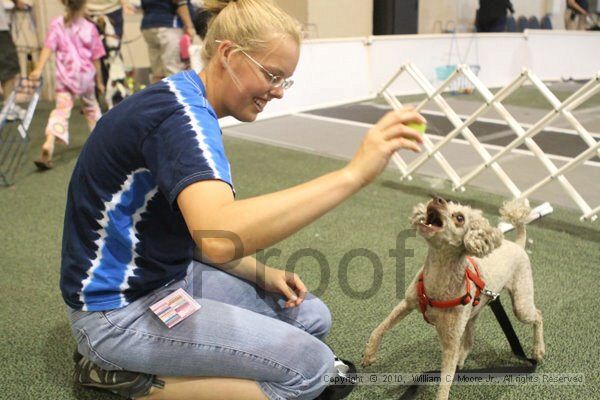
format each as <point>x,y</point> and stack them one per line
<point>250,24</point>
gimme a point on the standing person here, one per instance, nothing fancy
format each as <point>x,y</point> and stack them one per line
<point>9,61</point>
<point>78,49</point>
<point>200,20</point>
<point>153,183</point>
<point>491,15</point>
<point>163,25</point>
<point>104,13</point>
<point>576,15</point>
<point>111,9</point>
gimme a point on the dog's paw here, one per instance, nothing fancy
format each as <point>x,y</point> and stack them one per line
<point>462,357</point>
<point>538,353</point>
<point>368,360</point>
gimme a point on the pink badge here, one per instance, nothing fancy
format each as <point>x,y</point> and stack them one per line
<point>175,308</point>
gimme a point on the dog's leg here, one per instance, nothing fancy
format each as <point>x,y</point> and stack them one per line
<point>467,341</point>
<point>450,329</point>
<point>399,312</point>
<point>526,312</point>
<point>521,293</point>
<point>539,347</point>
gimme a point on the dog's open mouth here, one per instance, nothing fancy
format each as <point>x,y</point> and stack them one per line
<point>434,218</point>
<point>433,222</point>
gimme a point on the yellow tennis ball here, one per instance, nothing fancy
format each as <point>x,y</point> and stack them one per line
<point>417,126</point>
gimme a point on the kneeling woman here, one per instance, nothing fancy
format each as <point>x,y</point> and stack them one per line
<point>153,183</point>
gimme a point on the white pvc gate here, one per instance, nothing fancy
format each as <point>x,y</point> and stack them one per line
<point>523,136</point>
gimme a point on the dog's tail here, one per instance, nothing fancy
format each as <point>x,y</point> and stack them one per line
<point>516,212</point>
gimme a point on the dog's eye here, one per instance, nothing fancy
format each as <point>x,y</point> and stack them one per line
<point>459,218</point>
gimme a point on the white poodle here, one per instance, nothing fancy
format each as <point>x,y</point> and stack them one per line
<point>461,240</point>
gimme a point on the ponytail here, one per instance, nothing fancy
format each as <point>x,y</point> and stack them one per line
<point>250,24</point>
<point>216,6</point>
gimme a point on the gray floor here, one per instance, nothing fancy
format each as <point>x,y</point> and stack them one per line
<point>337,133</point>
<point>558,139</point>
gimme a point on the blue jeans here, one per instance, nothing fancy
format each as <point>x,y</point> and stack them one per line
<point>238,332</point>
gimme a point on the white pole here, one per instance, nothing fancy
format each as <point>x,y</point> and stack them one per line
<point>580,159</point>
<point>447,138</point>
<point>532,145</point>
<point>391,81</point>
<point>456,121</point>
<point>572,101</point>
<point>592,215</point>
<point>536,213</point>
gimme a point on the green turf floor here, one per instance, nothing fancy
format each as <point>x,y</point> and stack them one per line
<point>36,344</point>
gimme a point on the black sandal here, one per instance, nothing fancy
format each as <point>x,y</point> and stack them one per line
<point>127,384</point>
<point>43,165</point>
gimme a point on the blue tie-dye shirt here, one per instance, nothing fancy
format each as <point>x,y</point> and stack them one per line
<point>123,234</point>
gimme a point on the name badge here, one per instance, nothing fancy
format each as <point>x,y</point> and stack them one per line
<point>175,307</point>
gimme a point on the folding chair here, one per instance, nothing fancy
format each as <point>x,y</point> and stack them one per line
<point>14,136</point>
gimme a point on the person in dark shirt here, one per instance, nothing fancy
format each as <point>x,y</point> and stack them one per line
<point>576,14</point>
<point>491,15</point>
<point>163,25</point>
<point>153,230</point>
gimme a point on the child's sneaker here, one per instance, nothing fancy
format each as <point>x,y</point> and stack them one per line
<point>124,383</point>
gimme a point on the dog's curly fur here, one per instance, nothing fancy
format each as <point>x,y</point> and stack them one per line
<point>453,232</point>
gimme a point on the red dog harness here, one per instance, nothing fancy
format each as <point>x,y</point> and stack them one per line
<point>470,276</point>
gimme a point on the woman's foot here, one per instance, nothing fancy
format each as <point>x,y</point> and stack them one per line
<point>128,384</point>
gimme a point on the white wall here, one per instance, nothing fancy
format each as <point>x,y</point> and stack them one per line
<point>332,18</point>
<point>341,18</point>
<point>341,71</point>
<point>297,8</point>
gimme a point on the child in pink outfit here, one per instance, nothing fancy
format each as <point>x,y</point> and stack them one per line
<point>78,49</point>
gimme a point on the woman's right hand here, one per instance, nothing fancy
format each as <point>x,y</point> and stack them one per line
<point>389,135</point>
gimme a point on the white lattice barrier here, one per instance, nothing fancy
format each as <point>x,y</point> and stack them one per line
<point>524,136</point>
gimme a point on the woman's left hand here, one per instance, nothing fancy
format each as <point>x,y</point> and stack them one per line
<point>287,283</point>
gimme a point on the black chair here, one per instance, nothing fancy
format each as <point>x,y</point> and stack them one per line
<point>547,22</point>
<point>522,23</point>
<point>511,24</point>
<point>533,23</point>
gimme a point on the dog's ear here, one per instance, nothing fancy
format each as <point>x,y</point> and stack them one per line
<point>482,238</point>
<point>419,213</point>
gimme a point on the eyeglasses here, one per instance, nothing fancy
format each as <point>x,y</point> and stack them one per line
<point>275,81</point>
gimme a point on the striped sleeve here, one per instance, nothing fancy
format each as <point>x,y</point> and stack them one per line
<point>185,148</point>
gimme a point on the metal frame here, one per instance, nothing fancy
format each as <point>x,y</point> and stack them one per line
<point>15,142</point>
<point>564,108</point>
